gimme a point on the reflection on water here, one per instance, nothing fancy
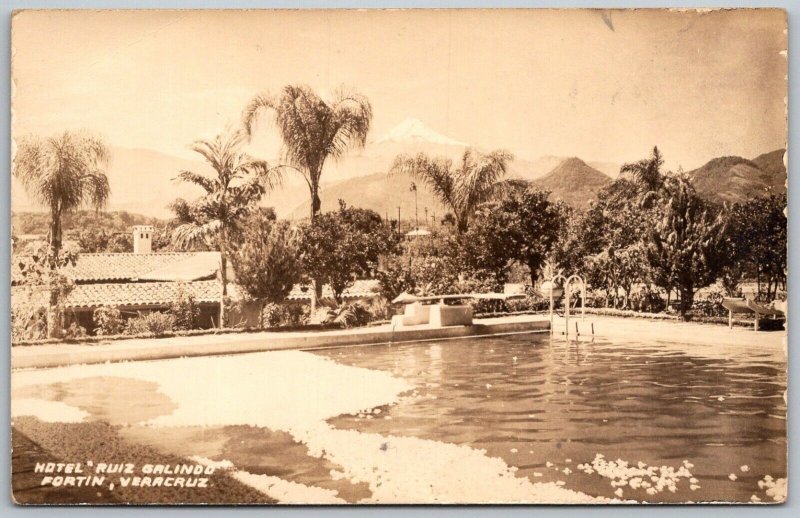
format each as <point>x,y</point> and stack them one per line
<point>130,402</point>
<point>114,400</point>
<point>256,450</point>
<point>547,406</point>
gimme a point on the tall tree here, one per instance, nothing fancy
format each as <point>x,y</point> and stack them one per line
<point>685,243</point>
<point>756,240</point>
<point>344,245</point>
<point>64,173</point>
<point>476,179</point>
<point>314,129</point>
<point>646,172</point>
<point>213,219</point>
<point>609,235</point>
<point>522,227</point>
<point>266,259</point>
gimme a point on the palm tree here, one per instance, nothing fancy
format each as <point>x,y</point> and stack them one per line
<point>313,129</point>
<point>233,194</point>
<point>476,179</point>
<point>647,172</point>
<point>64,173</point>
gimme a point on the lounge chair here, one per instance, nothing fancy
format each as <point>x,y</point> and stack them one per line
<point>749,307</point>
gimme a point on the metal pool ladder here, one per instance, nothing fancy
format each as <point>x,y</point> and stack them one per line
<point>568,281</point>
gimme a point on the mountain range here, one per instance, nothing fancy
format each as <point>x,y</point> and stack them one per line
<point>574,182</point>
<point>143,181</point>
<point>735,179</point>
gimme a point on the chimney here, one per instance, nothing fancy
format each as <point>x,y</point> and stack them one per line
<point>142,239</point>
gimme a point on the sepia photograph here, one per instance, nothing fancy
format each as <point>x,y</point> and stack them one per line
<point>410,256</point>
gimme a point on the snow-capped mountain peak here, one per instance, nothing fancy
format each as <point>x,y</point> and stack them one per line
<point>414,130</point>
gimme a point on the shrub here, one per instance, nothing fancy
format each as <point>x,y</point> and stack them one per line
<point>185,310</point>
<point>379,308</point>
<point>290,315</point>
<point>107,321</point>
<point>74,331</point>
<point>596,299</point>
<point>28,322</point>
<point>533,301</point>
<point>155,323</point>
<point>272,315</point>
<point>349,315</point>
<point>647,301</point>
<point>708,303</point>
<point>233,309</point>
<point>489,306</point>
<point>297,314</point>
<point>266,259</point>
<point>395,277</point>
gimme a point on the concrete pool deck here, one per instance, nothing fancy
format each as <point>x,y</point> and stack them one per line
<point>676,331</point>
<point>716,339</point>
<point>710,340</point>
<point>56,355</point>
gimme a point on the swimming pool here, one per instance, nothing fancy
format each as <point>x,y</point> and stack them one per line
<point>547,406</point>
<point>502,419</point>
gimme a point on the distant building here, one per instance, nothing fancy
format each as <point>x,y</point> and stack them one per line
<point>137,282</point>
<point>145,281</point>
<point>134,282</point>
<point>420,232</point>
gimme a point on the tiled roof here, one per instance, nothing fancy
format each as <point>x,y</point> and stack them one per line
<point>140,293</point>
<point>193,267</point>
<point>360,289</point>
<point>127,266</point>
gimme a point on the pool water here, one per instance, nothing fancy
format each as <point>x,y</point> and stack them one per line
<point>485,419</point>
<point>643,421</point>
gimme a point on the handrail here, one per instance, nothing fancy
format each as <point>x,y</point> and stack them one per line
<point>552,302</point>
<point>576,277</point>
<point>567,297</point>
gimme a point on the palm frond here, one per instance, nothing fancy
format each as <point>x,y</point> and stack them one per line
<point>313,130</point>
<point>206,183</point>
<point>254,107</point>
<point>436,173</point>
<point>509,186</point>
<point>64,172</point>
<point>96,189</point>
<point>211,151</point>
<point>646,172</point>
<point>478,178</point>
<point>240,183</point>
<point>351,119</point>
<point>190,234</point>
<point>270,177</point>
<point>182,211</point>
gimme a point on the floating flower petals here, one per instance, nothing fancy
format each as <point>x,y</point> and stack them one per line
<point>776,488</point>
<point>640,476</point>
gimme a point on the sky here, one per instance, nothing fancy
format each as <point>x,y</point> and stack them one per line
<point>601,85</point>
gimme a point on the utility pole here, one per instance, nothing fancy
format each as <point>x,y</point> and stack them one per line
<point>426,216</point>
<point>416,215</point>
<point>398,219</point>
